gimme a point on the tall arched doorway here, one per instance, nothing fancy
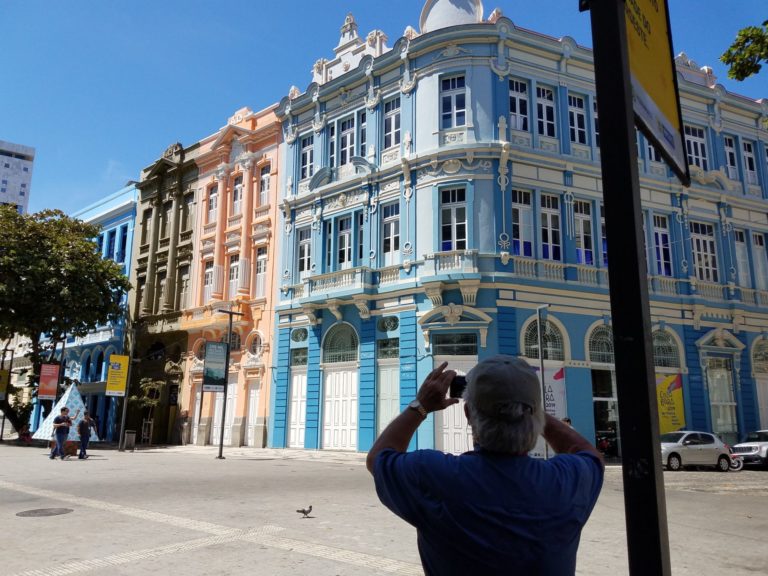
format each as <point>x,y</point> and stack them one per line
<point>340,388</point>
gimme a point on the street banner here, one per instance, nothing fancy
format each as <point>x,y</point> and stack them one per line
<point>5,377</point>
<point>554,402</point>
<point>655,99</point>
<point>669,392</point>
<point>117,375</point>
<point>49,382</point>
<point>215,367</point>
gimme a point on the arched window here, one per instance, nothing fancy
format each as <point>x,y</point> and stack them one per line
<point>665,351</point>
<point>601,345</point>
<point>553,341</point>
<point>96,368</point>
<point>760,357</point>
<point>340,344</point>
<point>200,354</point>
<point>256,346</point>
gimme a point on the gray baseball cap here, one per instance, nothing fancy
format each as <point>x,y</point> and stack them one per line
<point>501,380</point>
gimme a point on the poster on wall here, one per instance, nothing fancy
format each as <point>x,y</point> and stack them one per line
<point>555,402</point>
<point>669,394</point>
<point>117,375</point>
<point>49,382</point>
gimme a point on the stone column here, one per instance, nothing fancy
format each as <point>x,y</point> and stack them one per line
<point>222,175</point>
<point>171,280</point>
<point>149,288</point>
<point>245,230</point>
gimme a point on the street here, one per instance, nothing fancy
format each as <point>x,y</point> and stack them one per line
<point>178,510</point>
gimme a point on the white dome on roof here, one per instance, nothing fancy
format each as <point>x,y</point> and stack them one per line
<point>443,13</point>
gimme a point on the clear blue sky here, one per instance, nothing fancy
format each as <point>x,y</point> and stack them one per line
<point>101,87</point>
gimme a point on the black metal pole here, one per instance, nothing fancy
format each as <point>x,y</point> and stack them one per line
<point>121,438</point>
<point>539,329</point>
<point>230,313</point>
<point>644,501</point>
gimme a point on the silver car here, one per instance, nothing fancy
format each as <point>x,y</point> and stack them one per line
<point>688,448</point>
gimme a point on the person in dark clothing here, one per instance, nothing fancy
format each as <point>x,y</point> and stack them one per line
<point>61,425</point>
<point>84,430</point>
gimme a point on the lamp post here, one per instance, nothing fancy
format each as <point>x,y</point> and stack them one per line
<point>541,366</point>
<point>121,440</point>
<point>230,313</point>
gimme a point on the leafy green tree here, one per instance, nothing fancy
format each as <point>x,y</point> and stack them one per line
<point>53,284</point>
<point>747,52</point>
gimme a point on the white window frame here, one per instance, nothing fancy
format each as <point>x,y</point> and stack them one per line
<point>346,140</point>
<point>362,138</point>
<point>307,157</point>
<point>731,166</point>
<point>748,157</point>
<point>518,104</point>
<point>237,196</point>
<point>704,251</point>
<point>304,252</point>
<point>662,246</point>
<point>453,219</point>
<point>551,240</point>
<point>390,234</point>
<point>742,258</point>
<point>453,102</point>
<point>577,119</point>
<point>234,276</point>
<point>696,146</point>
<point>265,177</point>
<point>546,124</point>
<point>761,260</point>
<point>585,248</point>
<point>344,242</point>
<point>392,123</point>
<point>522,223</point>
<point>260,285</point>
<point>603,238</point>
<point>207,281</point>
<point>213,202</point>
<point>653,153</point>
<point>596,122</point>
<point>332,145</point>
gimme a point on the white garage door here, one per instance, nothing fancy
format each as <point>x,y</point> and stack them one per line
<point>195,408</point>
<point>297,409</point>
<point>230,416</point>
<point>388,382</point>
<point>452,431</point>
<point>254,391</point>
<point>340,407</point>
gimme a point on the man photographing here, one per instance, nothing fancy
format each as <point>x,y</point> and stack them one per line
<point>493,510</point>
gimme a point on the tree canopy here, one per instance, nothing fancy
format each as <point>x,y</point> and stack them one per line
<point>53,281</point>
<point>747,52</point>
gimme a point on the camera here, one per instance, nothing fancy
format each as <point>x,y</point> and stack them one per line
<point>457,386</point>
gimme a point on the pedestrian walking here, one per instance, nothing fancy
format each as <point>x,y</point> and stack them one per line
<point>493,510</point>
<point>61,425</point>
<point>84,430</point>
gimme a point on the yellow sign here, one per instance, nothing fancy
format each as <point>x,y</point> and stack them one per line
<point>669,394</point>
<point>117,375</point>
<point>655,100</point>
<point>5,377</point>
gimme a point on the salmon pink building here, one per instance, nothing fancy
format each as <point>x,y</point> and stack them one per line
<point>233,270</point>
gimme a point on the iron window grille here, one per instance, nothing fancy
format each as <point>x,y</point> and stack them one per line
<point>553,342</point>
<point>340,345</point>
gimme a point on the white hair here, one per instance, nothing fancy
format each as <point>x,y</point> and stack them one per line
<point>514,430</point>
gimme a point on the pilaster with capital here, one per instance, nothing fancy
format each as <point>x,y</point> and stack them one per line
<point>171,283</point>
<point>245,228</point>
<point>157,204</point>
<point>222,175</point>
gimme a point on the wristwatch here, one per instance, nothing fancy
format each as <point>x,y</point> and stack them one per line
<point>416,405</point>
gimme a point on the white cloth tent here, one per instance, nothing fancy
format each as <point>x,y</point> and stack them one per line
<point>72,400</point>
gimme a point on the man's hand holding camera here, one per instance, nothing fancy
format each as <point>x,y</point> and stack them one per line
<point>433,394</point>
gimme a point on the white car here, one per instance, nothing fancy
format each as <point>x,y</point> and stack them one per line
<point>689,448</point>
<point>754,449</point>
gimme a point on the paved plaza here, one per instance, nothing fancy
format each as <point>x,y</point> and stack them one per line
<point>181,511</point>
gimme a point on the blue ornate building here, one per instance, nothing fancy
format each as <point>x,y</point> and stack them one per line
<point>435,194</point>
<point>87,358</point>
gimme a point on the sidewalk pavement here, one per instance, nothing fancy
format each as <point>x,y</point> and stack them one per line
<point>178,510</point>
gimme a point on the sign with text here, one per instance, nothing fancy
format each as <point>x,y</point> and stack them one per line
<point>669,393</point>
<point>5,378</point>
<point>117,375</point>
<point>49,382</point>
<point>554,402</point>
<point>655,99</point>
<point>215,367</point>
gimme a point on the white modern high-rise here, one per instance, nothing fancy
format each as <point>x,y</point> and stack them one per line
<point>16,162</point>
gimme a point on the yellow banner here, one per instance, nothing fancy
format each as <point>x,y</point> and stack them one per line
<point>654,92</point>
<point>669,394</point>
<point>117,375</point>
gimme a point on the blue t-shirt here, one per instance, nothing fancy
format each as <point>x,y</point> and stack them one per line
<point>489,513</point>
<point>62,430</point>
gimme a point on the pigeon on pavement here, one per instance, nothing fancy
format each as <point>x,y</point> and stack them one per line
<point>305,511</point>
